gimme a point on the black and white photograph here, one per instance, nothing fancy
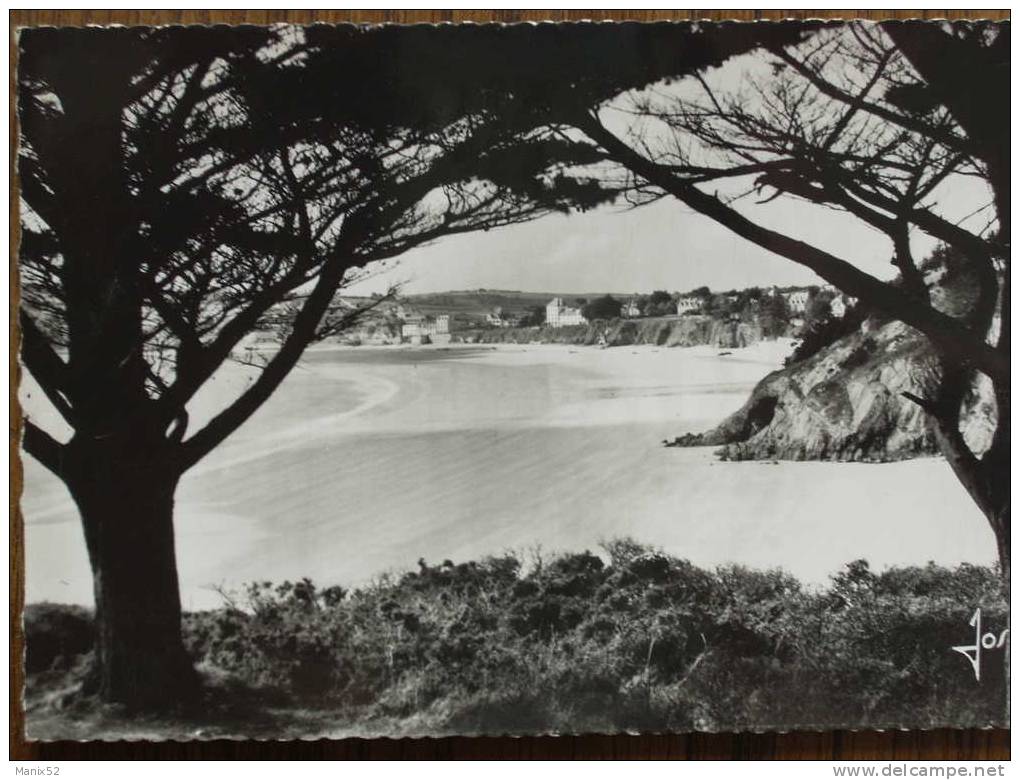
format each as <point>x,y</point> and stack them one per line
<point>514,379</point>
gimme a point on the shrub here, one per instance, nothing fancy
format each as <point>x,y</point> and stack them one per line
<point>55,635</point>
<point>604,308</point>
<point>825,332</point>
<point>639,640</point>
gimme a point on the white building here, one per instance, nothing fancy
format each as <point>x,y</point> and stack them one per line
<point>690,303</point>
<point>630,309</point>
<point>499,319</point>
<point>558,314</point>
<point>420,329</point>
<point>797,301</point>
<point>840,304</point>
<point>441,323</point>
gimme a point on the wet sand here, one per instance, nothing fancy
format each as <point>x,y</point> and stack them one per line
<point>368,459</point>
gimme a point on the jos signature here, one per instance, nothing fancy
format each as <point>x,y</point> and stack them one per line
<point>986,641</point>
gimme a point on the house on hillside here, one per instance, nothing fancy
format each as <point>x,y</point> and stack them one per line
<point>558,314</point>
<point>691,304</point>
<point>630,309</point>
<point>498,318</point>
<point>797,301</point>
<point>840,304</point>
<point>425,329</point>
<point>436,324</point>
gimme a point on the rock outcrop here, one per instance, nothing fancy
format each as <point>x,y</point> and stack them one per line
<point>687,331</point>
<point>845,403</point>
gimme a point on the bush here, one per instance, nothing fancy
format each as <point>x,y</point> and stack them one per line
<point>825,332</point>
<point>632,640</point>
<point>55,635</point>
<point>604,308</point>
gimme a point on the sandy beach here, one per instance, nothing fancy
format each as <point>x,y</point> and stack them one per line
<point>368,459</point>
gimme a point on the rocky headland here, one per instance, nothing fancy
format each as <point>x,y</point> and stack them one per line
<point>846,403</point>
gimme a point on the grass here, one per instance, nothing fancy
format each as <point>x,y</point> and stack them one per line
<point>629,640</point>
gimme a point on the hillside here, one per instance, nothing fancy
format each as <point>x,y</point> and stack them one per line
<point>845,403</point>
<point>677,331</point>
<point>467,310</point>
<point>478,303</point>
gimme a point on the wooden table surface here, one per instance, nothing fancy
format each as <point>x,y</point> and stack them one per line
<point>974,744</point>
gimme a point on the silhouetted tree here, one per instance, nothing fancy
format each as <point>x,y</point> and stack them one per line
<point>176,186</point>
<point>870,120</point>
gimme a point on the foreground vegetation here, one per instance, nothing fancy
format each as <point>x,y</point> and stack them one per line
<point>632,640</point>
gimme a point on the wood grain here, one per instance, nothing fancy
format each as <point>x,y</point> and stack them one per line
<point>973,744</point>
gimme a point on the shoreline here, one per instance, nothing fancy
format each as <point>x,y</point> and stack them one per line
<point>783,342</point>
<point>371,458</point>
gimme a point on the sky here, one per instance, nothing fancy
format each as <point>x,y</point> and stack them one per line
<point>663,245</point>
<point>659,246</point>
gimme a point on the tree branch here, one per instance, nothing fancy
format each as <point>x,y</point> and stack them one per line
<point>945,332</point>
<point>829,89</point>
<point>45,366</point>
<point>44,448</point>
<point>305,325</point>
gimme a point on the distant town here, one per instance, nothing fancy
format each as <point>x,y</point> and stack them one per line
<point>438,318</point>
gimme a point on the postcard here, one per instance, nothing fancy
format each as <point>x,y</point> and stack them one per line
<point>514,379</point>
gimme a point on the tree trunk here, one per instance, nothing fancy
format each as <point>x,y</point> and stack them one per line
<point>987,484</point>
<point>126,504</point>
<point>1000,525</point>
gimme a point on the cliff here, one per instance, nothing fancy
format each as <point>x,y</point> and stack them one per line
<point>844,403</point>
<point>686,331</point>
